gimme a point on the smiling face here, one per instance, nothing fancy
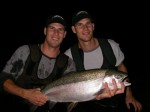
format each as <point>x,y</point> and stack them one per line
<point>84,29</point>
<point>55,33</point>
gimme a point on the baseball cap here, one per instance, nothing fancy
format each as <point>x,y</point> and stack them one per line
<point>55,19</point>
<point>80,15</point>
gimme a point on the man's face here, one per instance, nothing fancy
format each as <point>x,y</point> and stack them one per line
<point>55,33</point>
<point>84,29</point>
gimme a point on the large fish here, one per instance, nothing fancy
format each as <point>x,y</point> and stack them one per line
<point>82,86</point>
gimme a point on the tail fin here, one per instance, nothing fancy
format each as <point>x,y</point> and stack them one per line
<point>71,106</point>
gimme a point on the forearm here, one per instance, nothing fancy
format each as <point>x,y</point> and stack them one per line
<point>122,68</point>
<point>34,96</point>
<point>10,87</point>
<point>128,91</point>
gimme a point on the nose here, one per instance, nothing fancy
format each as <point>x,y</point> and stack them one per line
<point>85,26</point>
<point>56,31</point>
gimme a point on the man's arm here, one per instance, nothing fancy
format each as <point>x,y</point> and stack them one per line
<point>129,96</point>
<point>34,96</point>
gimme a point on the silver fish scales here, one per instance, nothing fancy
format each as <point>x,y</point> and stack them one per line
<point>82,86</point>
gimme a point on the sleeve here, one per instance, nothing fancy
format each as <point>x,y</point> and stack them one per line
<point>117,51</point>
<point>14,66</point>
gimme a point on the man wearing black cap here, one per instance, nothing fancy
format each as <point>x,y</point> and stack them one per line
<point>33,66</point>
<point>91,53</point>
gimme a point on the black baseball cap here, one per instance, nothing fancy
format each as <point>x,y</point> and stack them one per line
<point>80,15</point>
<point>56,19</point>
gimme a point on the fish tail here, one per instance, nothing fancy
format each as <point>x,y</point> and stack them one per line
<point>71,106</point>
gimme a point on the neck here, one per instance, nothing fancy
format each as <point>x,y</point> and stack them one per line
<point>50,51</point>
<point>88,45</point>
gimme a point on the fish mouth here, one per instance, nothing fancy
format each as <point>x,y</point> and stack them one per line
<point>124,78</point>
<point>126,82</point>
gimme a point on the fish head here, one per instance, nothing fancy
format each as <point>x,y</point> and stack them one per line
<point>118,76</point>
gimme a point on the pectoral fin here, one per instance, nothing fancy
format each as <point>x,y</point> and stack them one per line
<point>51,104</point>
<point>71,105</point>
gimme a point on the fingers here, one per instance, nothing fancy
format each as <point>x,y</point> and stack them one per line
<point>122,89</point>
<point>137,106</point>
<point>115,88</point>
<point>37,97</point>
<point>109,92</point>
<point>118,90</point>
<point>105,94</point>
<point>107,89</point>
<point>41,102</point>
<point>38,89</point>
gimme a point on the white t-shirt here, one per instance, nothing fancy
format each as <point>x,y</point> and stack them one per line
<point>94,59</point>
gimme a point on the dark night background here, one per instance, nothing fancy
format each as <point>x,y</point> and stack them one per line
<point>125,22</point>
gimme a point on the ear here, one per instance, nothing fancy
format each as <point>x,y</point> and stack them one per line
<point>65,34</point>
<point>93,26</point>
<point>44,30</point>
<point>73,29</point>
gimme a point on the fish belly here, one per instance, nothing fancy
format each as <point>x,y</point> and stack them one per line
<point>75,92</point>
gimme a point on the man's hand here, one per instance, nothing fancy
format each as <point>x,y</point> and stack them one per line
<point>35,97</point>
<point>111,92</point>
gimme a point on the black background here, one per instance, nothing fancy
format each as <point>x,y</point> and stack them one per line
<point>125,22</point>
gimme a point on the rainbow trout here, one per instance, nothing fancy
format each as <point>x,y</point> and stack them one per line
<point>82,86</point>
